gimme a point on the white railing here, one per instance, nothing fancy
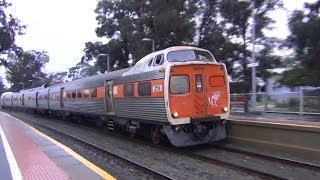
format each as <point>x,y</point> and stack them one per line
<point>305,101</point>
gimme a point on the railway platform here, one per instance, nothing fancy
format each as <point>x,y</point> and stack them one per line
<point>26,153</point>
<point>290,119</point>
<point>290,135</point>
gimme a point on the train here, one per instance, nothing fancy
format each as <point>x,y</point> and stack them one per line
<point>180,93</point>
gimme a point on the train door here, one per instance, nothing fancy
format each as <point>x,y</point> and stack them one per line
<point>22,99</point>
<point>12,100</point>
<point>109,95</point>
<point>37,104</point>
<point>199,92</point>
<point>61,97</point>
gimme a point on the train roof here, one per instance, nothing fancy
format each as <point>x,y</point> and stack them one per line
<point>142,63</point>
<point>164,51</point>
<point>6,94</point>
<point>91,81</point>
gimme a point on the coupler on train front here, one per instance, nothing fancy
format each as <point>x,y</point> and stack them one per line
<point>195,133</point>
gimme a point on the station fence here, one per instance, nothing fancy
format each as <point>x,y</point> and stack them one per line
<point>304,101</point>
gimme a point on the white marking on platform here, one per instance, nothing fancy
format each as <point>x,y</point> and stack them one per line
<point>14,168</point>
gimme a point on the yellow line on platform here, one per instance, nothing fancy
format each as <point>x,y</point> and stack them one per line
<point>86,162</point>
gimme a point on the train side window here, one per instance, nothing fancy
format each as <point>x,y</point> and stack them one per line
<point>74,94</point>
<point>79,93</point>
<point>158,60</point>
<point>128,90</point>
<point>179,84</point>
<point>86,93</point>
<point>144,89</point>
<point>94,92</point>
<point>68,94</point>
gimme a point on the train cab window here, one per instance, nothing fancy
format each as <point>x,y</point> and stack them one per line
<point>79,93</point>
<point>86,93</point>
<point>94,92</point>
<point>128,90</point>
<point>158,60</point>
<point>74,94</point>
<point>179,84</point>
<point>144,89</point>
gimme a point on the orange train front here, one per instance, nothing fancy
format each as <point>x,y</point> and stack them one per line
<point>180,93</point>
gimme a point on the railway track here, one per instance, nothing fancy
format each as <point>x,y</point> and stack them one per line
<point>270,158</point>
<point>146,169</point>
<point>228,165</point>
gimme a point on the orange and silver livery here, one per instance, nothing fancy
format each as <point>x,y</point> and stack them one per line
<point>181,93</point>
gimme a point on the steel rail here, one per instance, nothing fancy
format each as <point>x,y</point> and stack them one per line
<point>243,169</point>
<point>141,166</point>
<point>269,157</point>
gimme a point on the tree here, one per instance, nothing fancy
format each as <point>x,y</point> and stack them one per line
<point>2,86</point>
<point>25,69</point>
<point>9,28</point>
<point>305,39</point>
<point>127,22</point>
<point>56,78</point>
<point>210,34</point>
<point>82,70</point>
<point>236,16</point>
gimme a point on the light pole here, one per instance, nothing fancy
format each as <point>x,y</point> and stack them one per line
<point>253,72</point>
<point>108,60</point>
<point>153,43</point>
<point>253,63</point>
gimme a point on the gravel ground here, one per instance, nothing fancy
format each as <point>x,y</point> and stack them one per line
<point>176,166</point>
<point>275,168</point>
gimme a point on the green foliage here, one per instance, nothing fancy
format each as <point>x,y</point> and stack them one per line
<point>236,15</point>
<point>9,27</point>
<point>299,77</point>
<point>2,86</point>
<point>56,78</point>
<point>126,22</point>
<point>26,68</point>
<point>305,40</point>
<point>82,70</point>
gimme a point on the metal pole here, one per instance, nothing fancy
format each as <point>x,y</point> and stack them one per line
<point>108,63</point>
<point>301,101</point>
<point>253,72</point>
<point>153,45</point>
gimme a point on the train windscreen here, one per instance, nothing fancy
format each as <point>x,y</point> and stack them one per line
<point>189,55</point>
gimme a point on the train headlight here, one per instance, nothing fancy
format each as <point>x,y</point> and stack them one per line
<point>225,109</point>
<point>175,114</point>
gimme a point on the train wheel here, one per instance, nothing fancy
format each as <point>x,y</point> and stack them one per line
<point>156,135</point>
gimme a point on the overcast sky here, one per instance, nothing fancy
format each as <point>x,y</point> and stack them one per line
<point>61,27</point>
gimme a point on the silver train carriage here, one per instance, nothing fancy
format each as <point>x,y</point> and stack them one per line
<point>181,93</point>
